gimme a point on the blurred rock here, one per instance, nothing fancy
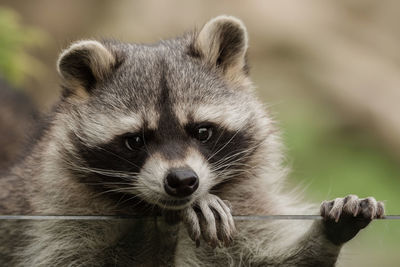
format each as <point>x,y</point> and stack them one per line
<point>18,118</point>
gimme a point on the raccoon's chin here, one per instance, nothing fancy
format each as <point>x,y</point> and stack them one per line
<point>174,204</point>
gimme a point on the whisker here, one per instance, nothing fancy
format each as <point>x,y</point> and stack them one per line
<point>105,172</point>
<point>250,149</point>
<point>219,137</point>
<point>225,144</point>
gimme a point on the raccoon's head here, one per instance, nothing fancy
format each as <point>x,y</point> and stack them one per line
<point>165,123</point>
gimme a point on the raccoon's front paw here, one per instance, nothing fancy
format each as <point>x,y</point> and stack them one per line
<point>210,218</point>
<point>343,218</point>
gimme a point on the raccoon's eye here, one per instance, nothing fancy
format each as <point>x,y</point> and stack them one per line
<point>204,133</point>
<point>134,142</point>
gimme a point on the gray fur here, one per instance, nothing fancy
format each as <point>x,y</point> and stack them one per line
<point>121,88</point>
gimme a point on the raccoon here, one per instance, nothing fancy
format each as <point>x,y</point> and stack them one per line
<point>172,132</point>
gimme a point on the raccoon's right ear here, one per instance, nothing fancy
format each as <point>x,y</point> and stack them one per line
<point>84,64</point>
<point>223,42</point>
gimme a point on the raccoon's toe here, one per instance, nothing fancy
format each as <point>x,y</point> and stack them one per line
<point>225,224</point>
<point>192,223</point>
<point>213,219</point>
<point>343,218</point>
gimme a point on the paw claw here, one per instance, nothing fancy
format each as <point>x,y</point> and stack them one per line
<point>380,210</point>
<point>351,205</point>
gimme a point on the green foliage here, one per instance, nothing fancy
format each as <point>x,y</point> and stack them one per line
<point>333,160</point>
<point>15,62</point>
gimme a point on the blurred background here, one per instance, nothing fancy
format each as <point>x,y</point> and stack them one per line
<point>328,70</point>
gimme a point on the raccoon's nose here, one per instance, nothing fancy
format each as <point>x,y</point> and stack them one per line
<point>181,182</point>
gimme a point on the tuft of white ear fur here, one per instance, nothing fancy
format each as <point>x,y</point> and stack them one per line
<point>83,64</point>
<point>223,42</point>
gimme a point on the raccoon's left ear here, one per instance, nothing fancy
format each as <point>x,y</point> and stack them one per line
<point>222,42</point>
<point>83,65</point>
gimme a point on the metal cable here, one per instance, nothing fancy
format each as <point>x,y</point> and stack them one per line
<point>136,217</point>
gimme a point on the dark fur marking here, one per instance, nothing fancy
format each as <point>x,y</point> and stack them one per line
<point>231,43</point>
<point>76,65</point>
<point>225,150</point>
<point>171,139</point>
<point>192,50</point>
<point>109,157</point>
<point>345,229</point>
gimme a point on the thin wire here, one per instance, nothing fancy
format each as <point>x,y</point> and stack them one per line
<point>137,217</point>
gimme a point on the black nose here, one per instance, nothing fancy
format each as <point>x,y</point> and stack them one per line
<point>181,182</point>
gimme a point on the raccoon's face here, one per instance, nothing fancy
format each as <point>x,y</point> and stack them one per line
<point>165,123</point>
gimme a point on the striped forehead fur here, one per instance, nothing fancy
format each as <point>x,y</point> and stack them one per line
<point>100,128</point>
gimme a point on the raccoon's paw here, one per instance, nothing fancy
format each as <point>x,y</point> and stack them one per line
<point>211,218</point>
<point>343,218</point>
